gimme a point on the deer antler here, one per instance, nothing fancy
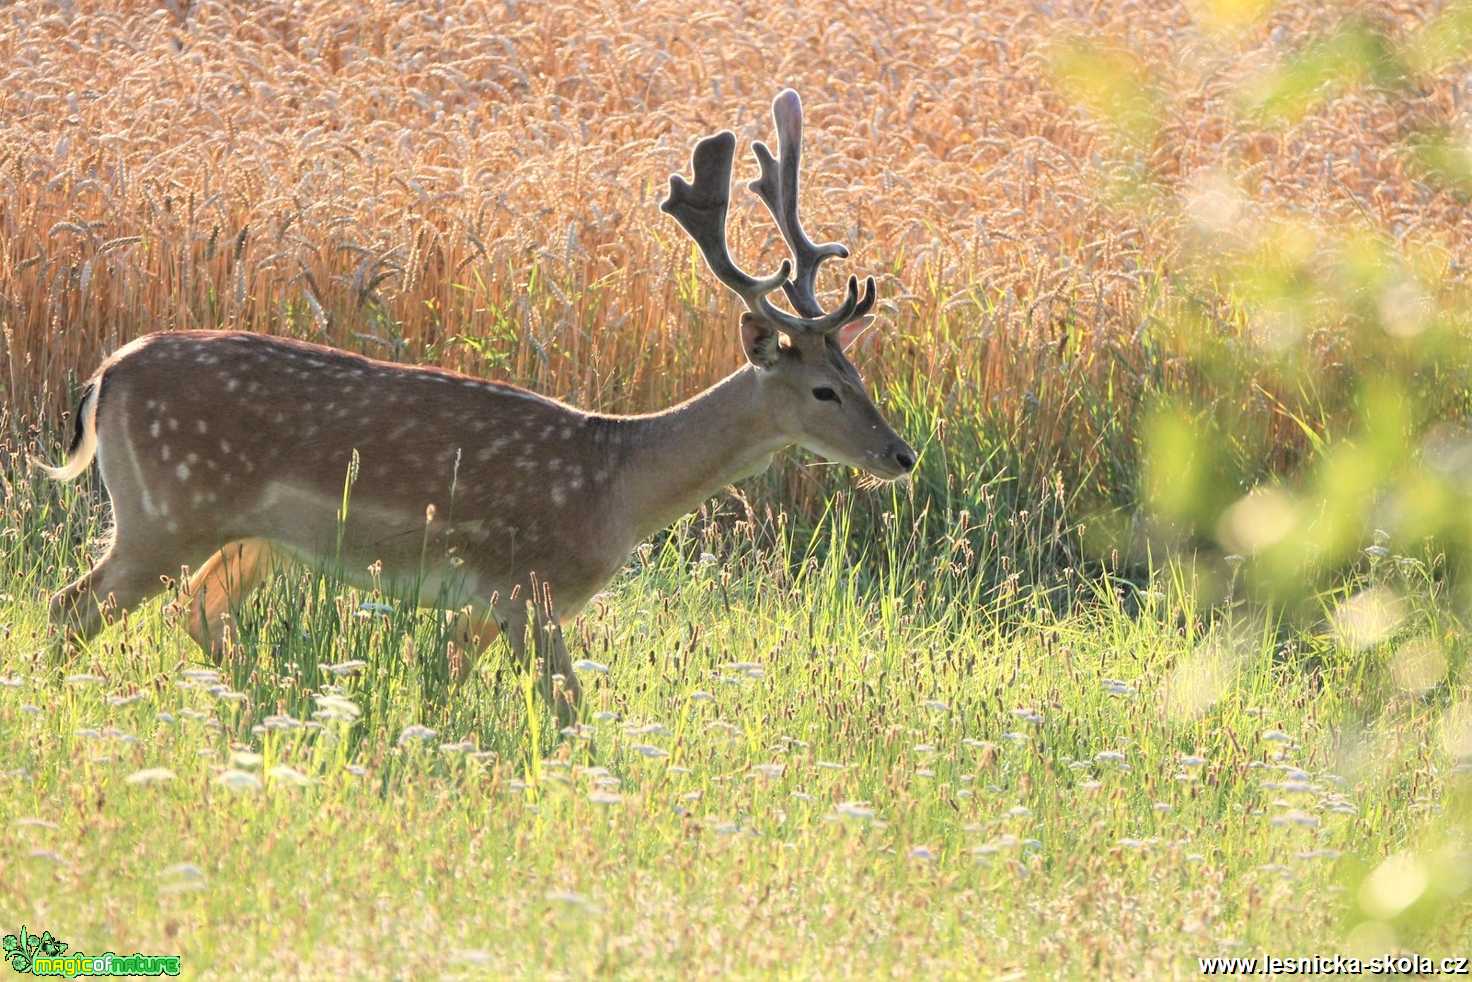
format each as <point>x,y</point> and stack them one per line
<point>701,211</point>
<point>777,187</point>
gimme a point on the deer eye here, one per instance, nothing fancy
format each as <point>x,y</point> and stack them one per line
<point>824,394</point>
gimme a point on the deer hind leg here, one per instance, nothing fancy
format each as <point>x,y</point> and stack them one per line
<point>219,588</point>
<point>132,570</point>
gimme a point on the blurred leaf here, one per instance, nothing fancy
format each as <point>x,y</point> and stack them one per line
<point>1230,15</point>
<point>1111,84</point>
<point>1447,156</point>
<point>1186,478</point>
<point>1353,55</point>
<point>1441,41</point>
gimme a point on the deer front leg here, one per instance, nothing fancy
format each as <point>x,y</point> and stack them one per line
<point>471,632</point>
<point>567,694</point>
<point>222,584</point>
<point>547,652</point>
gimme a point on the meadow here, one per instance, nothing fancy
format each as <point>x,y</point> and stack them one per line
<point>1159,655</point>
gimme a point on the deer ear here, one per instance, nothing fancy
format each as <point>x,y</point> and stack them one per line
<point>760,340</point>
<point>852,331</point>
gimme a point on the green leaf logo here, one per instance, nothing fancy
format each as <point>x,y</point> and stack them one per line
<point>20,950</point>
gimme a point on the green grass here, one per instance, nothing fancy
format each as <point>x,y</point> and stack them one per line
<point>847,762</point>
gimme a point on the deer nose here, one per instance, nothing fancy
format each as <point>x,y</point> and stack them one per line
<point>905,457</point>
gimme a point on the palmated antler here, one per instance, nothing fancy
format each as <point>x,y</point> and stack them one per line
<point>700,208</point>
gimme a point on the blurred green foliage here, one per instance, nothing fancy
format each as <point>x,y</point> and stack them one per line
<point>1323,427</point>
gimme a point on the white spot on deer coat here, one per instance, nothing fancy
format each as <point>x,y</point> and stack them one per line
<point>183,471</point>
<point>201,426</point>
<point>153,429</point>
<point>164,452</point>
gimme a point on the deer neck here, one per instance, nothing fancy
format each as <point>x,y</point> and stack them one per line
<point>673,460</point>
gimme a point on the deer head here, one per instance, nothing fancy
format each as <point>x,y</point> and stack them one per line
<point>804,378</point>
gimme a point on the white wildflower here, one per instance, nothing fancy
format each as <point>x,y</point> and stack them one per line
<point>84,678</point>
<point>416,732</point>
<point>288,775</point>
<point>151,775</point>
<point>237,780</point>
<point>350,667</point>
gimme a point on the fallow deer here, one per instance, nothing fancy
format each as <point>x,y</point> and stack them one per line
<point>230,449</point>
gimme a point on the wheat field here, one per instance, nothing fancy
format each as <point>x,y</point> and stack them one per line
<point>392,179</point>
<point>1159,656</point>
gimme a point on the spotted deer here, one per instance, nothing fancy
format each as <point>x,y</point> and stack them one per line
<point>225,451</point>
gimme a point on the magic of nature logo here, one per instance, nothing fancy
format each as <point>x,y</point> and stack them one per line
<point>44,954</point>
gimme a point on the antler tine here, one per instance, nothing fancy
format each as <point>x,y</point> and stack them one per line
<point>701,207</point>
<point>701,211</point>
<point>778,189</point>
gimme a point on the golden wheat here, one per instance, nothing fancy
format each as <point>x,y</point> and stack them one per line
<point>477,185</point>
